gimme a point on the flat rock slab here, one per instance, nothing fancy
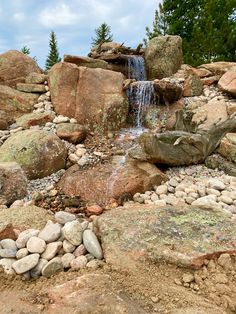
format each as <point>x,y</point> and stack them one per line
<point>31,88</point>
<point>183,236</point>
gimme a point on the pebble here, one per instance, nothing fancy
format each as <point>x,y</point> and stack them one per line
<point>36,245</point>
<point>94,209</point>
<point>8,253</point>
<point>51,250</point>
<point>91,244</point>
<point>68,247</point>
<point>26,263</point>
<point>78,263</point>
<point>22,253</point>
<point>51,232</point>
<point>8,244</point>
<point>80,250</point>
<point>216,184</point>
<point>63,217</point>
<point>53,266</point>
<point>67,259</point>
<point>61,119</point>
<point>72,232</point>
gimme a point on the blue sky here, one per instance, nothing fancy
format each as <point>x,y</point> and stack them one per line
<point>29,22</point>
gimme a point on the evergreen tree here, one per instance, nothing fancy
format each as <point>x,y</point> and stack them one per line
<point>207,27</point>
<point>159,25</point>
<point>53,56</point>
<point>103,34</point>
<point>25,50</point>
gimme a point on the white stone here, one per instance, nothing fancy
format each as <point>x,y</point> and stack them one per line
<point>22,253</point>
<point>61,119</point>
<point>216,184</point>
<point>51,232</point>
<point>225,199</point>
<point>73,158</point>
<point>213,191</point>
<point>207,202</point>
<point>8,253</point>
<point>67,259</point>
<point>8,244</point>
<point>36,245</point>
<point>73,232</point>
<point>64,217</point>
<point>51,250</point>
<point>24,237</point>
<point>91,244</point>
<point>26,263</point>
<point>68,247</point>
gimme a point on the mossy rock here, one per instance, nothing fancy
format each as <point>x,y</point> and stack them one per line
<point>39,153</point>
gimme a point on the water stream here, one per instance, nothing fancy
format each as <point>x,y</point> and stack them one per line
<point>141,94</point>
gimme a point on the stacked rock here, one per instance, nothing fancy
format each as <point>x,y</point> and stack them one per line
<point>58,246</point>
<point>197,186</point>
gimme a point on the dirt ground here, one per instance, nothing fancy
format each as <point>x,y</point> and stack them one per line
<point>154,288</point>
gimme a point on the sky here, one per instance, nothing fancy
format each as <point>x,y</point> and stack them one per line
<point>29,23</point>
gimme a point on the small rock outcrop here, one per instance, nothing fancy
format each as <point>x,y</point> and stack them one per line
<point>38,152</point>
<point>119,181</point>
<point>163,56</point>
<point>13,183</point>
<point>94,97</point>
<point>15,66</point>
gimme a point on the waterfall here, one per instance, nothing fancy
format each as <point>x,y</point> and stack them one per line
<point>136,68</point>
<point>141,96</point>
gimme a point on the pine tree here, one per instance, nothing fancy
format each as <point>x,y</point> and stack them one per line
<point>103,34</point>
<point>159,25</point>
<point>25,50</point>
<point>53,56</point>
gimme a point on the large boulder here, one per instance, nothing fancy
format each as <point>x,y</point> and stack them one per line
<point>94,97</point>
<point>183,236</point>
<point>15,66</point>
<point>13,183</point>
<point>163,56</point>
<point>39,153</point>
<point>119,180</point>
<point>14,103</point>
<point>227,147</point>
<point>227,83</point>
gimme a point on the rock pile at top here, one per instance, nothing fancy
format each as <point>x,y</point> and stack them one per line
<point>58,246</point>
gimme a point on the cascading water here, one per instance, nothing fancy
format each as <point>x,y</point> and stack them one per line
<point>136,68</point>
<point>141,96</point>
<point>141,93</point>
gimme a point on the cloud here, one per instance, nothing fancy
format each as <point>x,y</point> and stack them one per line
<point>19,16</point>
<point>60,15</point>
